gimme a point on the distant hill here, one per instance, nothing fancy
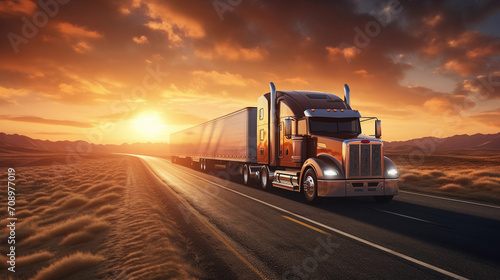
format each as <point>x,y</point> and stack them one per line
<point>19,144</point>
<point>480,142</point>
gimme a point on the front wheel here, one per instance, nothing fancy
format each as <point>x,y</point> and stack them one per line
<point>383,198</point>
<point>310,186</point>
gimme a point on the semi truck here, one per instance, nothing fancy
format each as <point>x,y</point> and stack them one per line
<point>302,141</point>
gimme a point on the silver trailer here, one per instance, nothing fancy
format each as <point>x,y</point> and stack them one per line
<point>230,138</point>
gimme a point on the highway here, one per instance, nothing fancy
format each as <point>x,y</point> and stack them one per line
<point>246,233</point>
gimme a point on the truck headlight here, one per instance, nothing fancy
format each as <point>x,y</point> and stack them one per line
<point>331,172</point>
<point>393,172</point>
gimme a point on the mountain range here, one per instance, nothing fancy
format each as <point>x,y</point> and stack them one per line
<point>13,144</point>
<point>479,142</point>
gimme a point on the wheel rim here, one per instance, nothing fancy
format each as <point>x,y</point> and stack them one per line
<point>245,175</point>
<point>309,186</point>
<point>264,179</point>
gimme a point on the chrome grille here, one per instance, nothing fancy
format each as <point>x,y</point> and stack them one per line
<point>364,160</point>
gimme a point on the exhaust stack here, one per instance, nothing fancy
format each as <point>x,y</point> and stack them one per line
<point>347,95</point>
<point>273,127</point>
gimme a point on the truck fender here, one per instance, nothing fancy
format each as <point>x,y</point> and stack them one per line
<point>320,164</point>
<point>388,164</point>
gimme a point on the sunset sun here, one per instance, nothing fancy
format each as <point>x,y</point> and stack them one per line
<point>149,125</point>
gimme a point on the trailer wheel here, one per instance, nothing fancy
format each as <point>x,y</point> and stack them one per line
<point>246,175</point>
<point>383,198</point>
<point>310,186</point>
<point>202,165</point>
<point>265,183</point>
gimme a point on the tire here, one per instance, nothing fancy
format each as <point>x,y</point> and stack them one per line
<point>265,182</point>
<point>310,186</point>
<point>245,174</point>
<point>202,164</point>
<point>383,198</point>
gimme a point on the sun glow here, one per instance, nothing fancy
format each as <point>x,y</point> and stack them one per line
<point>149,125</point>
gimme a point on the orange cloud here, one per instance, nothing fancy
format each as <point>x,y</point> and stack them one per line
<point>77,31</point>
<point>177,26</point>
<point>140,40</point>
<point>32,119</point>
<point>225,78</point>
<point>233,52</point>
<point>335,52</point>
<point>14,7</point>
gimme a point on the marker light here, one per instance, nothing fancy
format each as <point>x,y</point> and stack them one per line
<point>335,110</point>
<point>312,110</point>
<point>341,110</point>
<point>330,172</point>
<point>328,110</point>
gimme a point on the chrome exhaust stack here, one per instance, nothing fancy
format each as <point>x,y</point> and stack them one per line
<point>347,95</point>
<point>273,128</point>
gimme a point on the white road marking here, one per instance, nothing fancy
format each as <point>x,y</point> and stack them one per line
<point>451,199</point>
<point>366,242</point>
<point>406,216</point>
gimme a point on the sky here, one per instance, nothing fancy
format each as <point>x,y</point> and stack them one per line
<point>116,71</point>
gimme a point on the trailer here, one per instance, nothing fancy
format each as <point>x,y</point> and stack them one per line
<point>304,141</point>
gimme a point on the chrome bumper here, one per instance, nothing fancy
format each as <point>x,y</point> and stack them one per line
<point>372,187</point>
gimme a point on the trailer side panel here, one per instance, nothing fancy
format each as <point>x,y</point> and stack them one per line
<point>230,138</point>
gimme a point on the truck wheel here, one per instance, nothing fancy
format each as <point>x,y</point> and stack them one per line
<point>246,175</point>
<point>383,198</point>
<point>265,183</point>
<point>310,186</point>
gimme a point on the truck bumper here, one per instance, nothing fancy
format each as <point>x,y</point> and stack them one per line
<point>372,187</point>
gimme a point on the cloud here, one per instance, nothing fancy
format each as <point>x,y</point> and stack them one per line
<point>177,26</point>
<point>140,39</point>
<point>233,52</point>
<point>297,81</point>
<point>16,7</point>
<point>489,118</point>
<point>39,120</point>
<point>77,31</point>
<point>224,78</point>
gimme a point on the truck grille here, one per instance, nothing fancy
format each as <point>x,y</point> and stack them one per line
<point>364,160</point>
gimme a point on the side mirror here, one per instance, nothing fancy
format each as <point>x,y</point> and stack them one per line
<point>378,129</point>
<point>288,128</point>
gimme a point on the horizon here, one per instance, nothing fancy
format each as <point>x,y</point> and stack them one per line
<point>135,71</point>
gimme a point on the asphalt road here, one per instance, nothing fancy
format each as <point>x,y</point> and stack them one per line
<point>250,234</point>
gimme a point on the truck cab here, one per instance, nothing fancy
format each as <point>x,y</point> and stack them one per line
<point>312,142</point>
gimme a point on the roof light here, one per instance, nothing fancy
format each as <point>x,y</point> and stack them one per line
<point>341,110</point>
<point>312,110</point>
<point>335,110</point>
<point>355,110</point>
<point>328,110</point>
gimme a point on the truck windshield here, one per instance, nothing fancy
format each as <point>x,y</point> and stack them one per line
<point>334,126</point>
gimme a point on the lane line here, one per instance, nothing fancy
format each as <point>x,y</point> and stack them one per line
<point>409,217</point>
<point>452,199</point>
<point>361,240</point>
<point>306,225</point>
<point>198,216</point>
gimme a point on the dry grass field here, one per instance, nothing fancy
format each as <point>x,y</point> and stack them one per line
<point>466,175</point>
<point>91,220</point>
